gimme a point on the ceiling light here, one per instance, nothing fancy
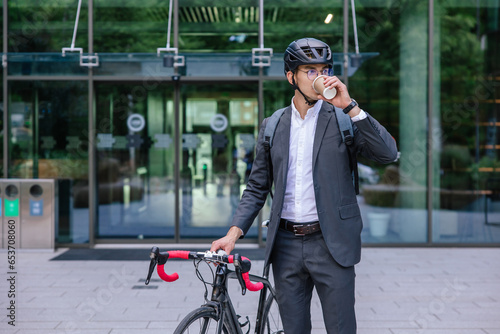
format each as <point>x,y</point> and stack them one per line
<point>329,18</point>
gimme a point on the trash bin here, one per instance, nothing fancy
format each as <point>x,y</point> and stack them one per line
<point>37,213</point>
<point>9,196</point>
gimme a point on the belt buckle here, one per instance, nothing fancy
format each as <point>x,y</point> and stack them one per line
<point>295,231</point>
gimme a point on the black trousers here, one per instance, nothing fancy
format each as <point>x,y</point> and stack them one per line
<point>301,263</point>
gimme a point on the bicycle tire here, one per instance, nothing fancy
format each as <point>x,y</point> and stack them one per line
<point>203,320</point>
<point>271,323</point>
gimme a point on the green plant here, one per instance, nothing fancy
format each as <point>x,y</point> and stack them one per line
<point>455,160</point>
<point>385,193</point>
<point>381,196</point>
<point>484,170</point>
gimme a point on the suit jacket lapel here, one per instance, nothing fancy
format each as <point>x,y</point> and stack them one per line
<point>324,117</point>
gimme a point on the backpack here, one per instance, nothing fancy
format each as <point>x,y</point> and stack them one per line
<point>345,126</point>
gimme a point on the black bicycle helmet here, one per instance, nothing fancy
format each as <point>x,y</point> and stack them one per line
<point>306,51</point>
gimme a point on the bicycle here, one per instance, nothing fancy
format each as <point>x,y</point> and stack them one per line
<point>218,315</point>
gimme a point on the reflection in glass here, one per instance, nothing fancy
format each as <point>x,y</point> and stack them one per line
<point>135,161</point>
<point>466,149</point>
<point>392,87</point>
<point>1,129</point>
<point>45,26</point>
<point>218,141</point>
<point>218,123</point>
<point>48,140</point>
<point>130,26</point>
<point>1,107</point>
<point>214,27</point>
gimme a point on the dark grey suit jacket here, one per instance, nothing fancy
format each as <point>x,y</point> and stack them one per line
<point>338,210</point>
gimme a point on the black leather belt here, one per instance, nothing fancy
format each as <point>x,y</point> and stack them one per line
<point>300,229</point>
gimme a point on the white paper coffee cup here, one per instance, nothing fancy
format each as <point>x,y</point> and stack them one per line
<point>319,87</point>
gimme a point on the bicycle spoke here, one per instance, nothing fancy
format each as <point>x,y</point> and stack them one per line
<point>204,326</point>
<point>272,319</point>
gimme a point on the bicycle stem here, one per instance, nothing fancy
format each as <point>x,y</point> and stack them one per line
<point>219,282</point>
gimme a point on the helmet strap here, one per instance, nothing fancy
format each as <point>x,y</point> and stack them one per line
<point>295,86</point>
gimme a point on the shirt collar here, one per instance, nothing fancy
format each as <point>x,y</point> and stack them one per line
<point>313,111</point>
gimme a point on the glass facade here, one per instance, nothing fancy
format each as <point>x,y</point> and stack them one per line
<point>393,87</point>
<point>45,26</point>
<point>48,139</point>
<point>129,26</point>
<point>466,121</point>
<point>148,143</point>
<point>135,161</point>
<point>3,116</point>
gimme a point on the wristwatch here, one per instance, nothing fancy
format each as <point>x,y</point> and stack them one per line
<point>350,106</point>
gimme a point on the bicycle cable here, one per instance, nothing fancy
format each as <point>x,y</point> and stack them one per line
<point>201,278</point>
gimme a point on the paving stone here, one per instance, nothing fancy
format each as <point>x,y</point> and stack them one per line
<point>373,331</point>
<point>36,324</point>
<point>138,331</point>
<point>8,331</point>
<point>105,324</point>
<point>398,290</point>
<point>437,331</point>
<point>63,331</point>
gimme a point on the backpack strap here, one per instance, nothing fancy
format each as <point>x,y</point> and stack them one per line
<point>271,126</point>
<point>345,127</point>
<point>269,131</point>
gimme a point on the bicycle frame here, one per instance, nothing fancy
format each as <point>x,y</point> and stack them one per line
<point>220,307</point>
<point>220,296</point>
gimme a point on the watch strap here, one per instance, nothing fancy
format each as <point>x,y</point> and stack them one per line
<point>350,106</point>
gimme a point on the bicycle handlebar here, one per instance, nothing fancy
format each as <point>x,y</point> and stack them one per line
<point>250,286</point>
<point>241,264</point>
<point>173,255</point>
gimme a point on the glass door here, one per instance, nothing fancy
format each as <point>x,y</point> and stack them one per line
<point>48,136</point>
<point>135,157</point>
<point>219,127</point>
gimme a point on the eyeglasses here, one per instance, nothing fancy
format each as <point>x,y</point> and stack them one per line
<point>312,74</point>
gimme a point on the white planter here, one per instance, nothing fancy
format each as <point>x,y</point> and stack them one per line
<point>379,223</point>
<point>412,225</point>
<point>446,222</point>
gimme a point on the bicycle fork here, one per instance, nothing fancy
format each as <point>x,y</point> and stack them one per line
<point>221,302</point>
<point>218,293</point>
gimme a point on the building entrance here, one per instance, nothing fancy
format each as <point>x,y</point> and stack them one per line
<point>135,158</point>
<point>219,127</point>
<point>140,191</point>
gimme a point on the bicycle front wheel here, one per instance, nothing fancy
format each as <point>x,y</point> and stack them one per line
<point>203,320</point>
<point>271,318</point>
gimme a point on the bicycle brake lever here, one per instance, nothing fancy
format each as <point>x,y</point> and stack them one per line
<point>152,265</point>
<point>239,274</point>
<point>154,260</point>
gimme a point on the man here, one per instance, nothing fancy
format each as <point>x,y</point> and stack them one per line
<point>315,224</point>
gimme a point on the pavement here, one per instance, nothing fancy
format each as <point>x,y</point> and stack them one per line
<point>398,290</point>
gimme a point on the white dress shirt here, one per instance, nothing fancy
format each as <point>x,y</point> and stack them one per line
<point>299,204</point>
